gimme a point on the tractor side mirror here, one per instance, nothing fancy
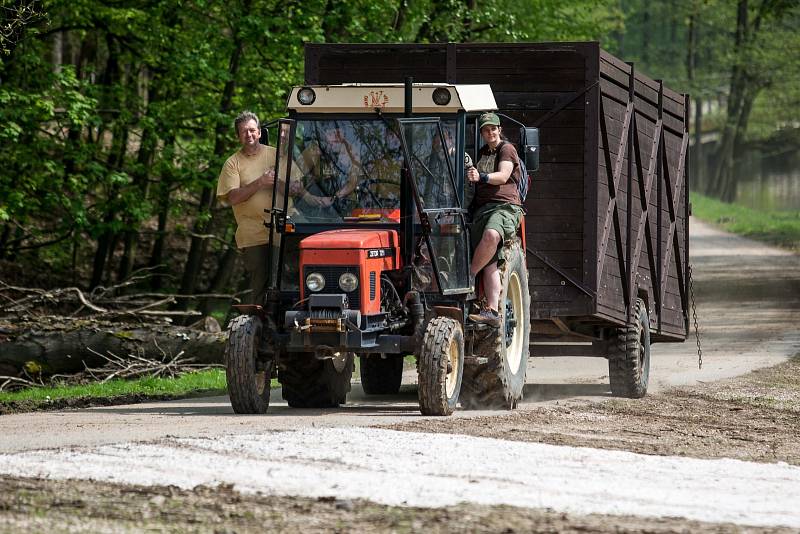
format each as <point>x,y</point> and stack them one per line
<point>529,140</point>
<point>264,136</point>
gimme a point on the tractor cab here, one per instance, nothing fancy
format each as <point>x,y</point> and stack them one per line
<point>370,247</point>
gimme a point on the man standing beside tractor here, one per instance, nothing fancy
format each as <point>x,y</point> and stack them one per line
<point>245,183</point>
<point>497,212</point>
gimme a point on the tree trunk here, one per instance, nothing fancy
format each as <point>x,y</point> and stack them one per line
<point>646,33</point>
<point>157,254</point>
<point>722,183</point>
<point>64,347</point>
<point>221,278</point>
<point>699,169</point>
<point>197,249</point>
<point>4,239</point>
<point>142,185</point>
<point>691,66</point>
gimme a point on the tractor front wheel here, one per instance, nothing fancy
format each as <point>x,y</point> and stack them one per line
<point>308,382</point>
<point>247,373</point>
<point>381,375</point>
<point>440,366</point>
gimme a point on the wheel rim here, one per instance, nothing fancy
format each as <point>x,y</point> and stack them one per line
<point>513,327</point>
<point>644,347</point>
<point>261,381</point>
<point>451,379</point>
<point>261,368</point>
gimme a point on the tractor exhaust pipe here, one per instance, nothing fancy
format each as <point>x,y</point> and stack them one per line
<point>409,95</point>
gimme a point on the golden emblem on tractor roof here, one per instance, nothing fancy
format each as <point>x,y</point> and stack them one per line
<point>376,99</point>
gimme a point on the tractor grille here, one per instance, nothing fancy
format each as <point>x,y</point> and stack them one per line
<point>372,285</point>
<point>331,273</point>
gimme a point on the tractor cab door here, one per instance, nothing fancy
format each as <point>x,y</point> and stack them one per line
<point>442,224</point>
<point>275,216</point>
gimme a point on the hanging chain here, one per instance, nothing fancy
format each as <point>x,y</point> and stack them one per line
<point>694,317</point>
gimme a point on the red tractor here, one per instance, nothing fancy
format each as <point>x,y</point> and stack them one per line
<point>370,257</point>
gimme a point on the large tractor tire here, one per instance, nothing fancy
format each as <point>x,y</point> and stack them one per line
<point>308,382</point>
<point>381,375</point>
<point>629,356</point>
<point>440,366</point>
<point>495,376</point>
<point>248,374</point>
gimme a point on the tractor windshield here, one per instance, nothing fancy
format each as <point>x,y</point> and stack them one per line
<point>346,170</point>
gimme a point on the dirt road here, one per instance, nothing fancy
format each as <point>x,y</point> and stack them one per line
<point>749,307</point>
<point>748,304</point>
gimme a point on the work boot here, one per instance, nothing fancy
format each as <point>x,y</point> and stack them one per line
<point>486,316</point>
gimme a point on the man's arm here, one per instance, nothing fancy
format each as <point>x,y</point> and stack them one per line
<point>243,193</point>
<point>504,170</point>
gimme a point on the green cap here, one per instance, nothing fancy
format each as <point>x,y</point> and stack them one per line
<point>488,118</point>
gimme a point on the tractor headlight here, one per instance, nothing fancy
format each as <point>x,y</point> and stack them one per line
<point>315,282</point>
<point>306,96</point>
<point>348,282</point>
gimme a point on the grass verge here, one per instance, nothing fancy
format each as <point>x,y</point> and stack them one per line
<point>210,382</point>
<point>781,228</point>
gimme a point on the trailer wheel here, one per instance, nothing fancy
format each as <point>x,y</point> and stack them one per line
<point>440,366</point>
<point>248,375</point>
<point>629,356</point>
<point>381,375</point>
<point>308,382</point>
<point>495,376</point>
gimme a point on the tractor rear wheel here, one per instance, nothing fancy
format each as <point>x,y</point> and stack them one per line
<point>381,375</point>
<point>629,356</point>
<point>248,375</point>
<point>440,366</point>
<point>495,376</point>
<point>308,382</point>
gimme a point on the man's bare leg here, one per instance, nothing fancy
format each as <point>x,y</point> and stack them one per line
<point>491,275</point>
<point>491,285</point>
<point>484,251</point>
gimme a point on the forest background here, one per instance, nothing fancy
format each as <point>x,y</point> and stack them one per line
<point>116,115</point>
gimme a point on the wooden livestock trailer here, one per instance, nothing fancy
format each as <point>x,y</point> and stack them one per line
<point>607,216</point>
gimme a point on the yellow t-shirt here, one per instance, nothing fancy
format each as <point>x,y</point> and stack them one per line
<point>239,170</point>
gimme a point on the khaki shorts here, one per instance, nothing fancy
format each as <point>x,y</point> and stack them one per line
<point>502,217</point>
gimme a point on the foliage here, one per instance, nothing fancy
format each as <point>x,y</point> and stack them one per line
<point>780,228</point>
<point>115,117</point>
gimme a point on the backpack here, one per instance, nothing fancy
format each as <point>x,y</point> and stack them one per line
<point>524,184</point>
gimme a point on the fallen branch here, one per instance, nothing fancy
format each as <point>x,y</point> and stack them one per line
<point>101,301</point>
<point>16,380</point>
<point>137,366</point>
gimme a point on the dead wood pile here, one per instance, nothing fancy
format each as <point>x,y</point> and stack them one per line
<point>66,330</point>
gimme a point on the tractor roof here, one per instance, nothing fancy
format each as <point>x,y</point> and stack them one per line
<point>390,98</point>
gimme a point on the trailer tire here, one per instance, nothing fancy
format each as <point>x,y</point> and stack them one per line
<point>495,377</point>
<point>381,375</point>
<point>308,382</point>
<point>441,366</point>
<point>629,356</point>
<point>248,375</point>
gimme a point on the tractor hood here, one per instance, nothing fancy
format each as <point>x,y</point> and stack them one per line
<point>351,239</point>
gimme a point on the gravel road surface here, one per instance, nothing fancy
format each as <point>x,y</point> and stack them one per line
<point>749,308</point>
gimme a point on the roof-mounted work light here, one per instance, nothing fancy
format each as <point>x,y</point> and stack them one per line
<point>441,96</point>
<point>306,96</point>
